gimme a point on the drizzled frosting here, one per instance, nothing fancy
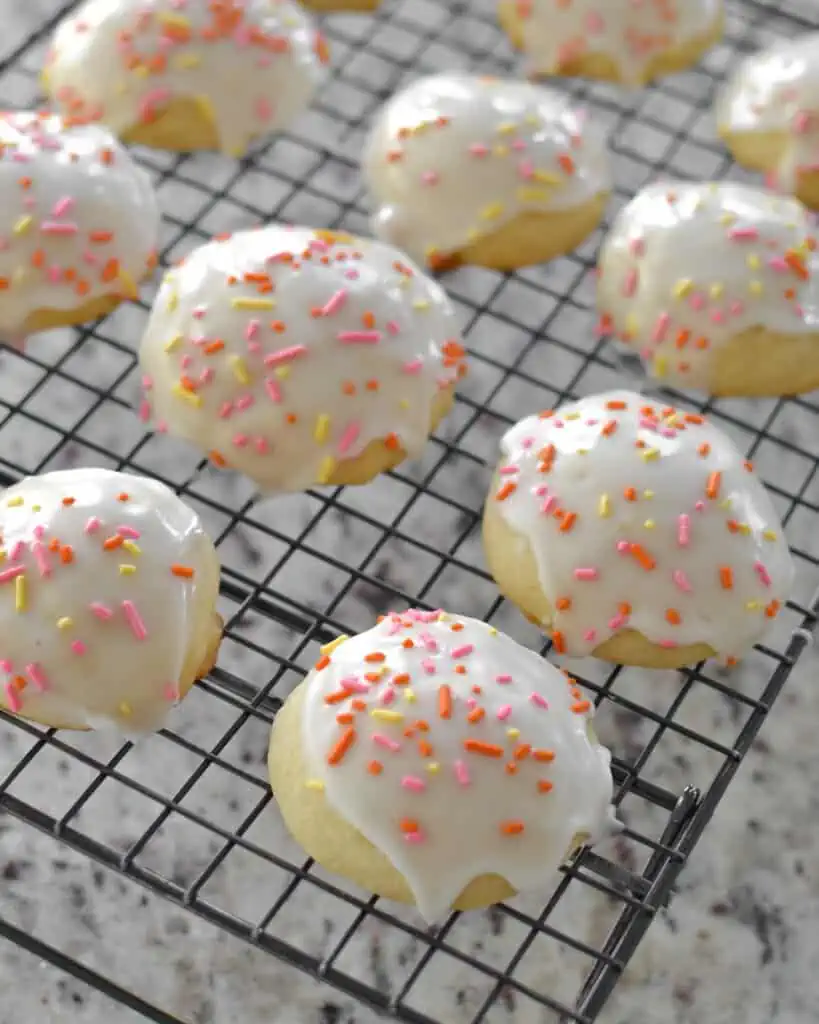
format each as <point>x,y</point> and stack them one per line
<point>108,585</point>
<point>286,350</point>
<point>643,517</point>
<point>252,65</point>
<point>631,32</point>
<point>688,267</point>
<point>454,157</point>
<point>78,218</point>
<point>777,91</point>
<point>456,752</point>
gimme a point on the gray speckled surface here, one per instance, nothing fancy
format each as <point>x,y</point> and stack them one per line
<point>741,941</point>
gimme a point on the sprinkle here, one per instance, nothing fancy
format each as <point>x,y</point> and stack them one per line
<point>444,701</point>
<point>101,611</point>
<point>240,371</point>
<point>335,303</point>
<point>683,530</point>
<point>134,620</point>
<point>713,486</point>
<point>92,525</point>
<point>503,678</point>
<point>78,647</point>
<point>359,337</point>
<point>506,489</point>
<point>251,302</point>
<point>763,574</point>
<point>463,651</point>
<point>39,551</point>
<point>184,571</point>
<point>12,697</point>
<point>638,552</point>
<point>413,783</point>
<point>37,676</point>
<point>322,428</point>
<point>273,390</point>
<point>387,716</point>
<point>12,573</point>
<point>484,749</point>
<point>504,712</point>
<point>544,786</point>
<point>604,506</point>
<point>511,828</point>
<point>414,837</point>
<point>113,542</point>
<point>345,742</point>
<point>315,784</point>
<point>581,707</point>
<point>586,574</point>
<point>386,742</point>
<point>539,700</point>
<point>726,577</point>
<point>681,581</point>
<point>127,570</point>
<point>284,355</point>
<point>20,593</point>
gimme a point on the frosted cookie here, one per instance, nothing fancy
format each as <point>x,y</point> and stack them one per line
<point>79,224</point>
<point>108,587</point>
<point>635,532</point>
<point>715,286</point>
<point>184,74</point>
<point>301,357</point>
<point>768,115</point>
<point>434,761</point>
<point>629,41</point>
<point>465,169</point>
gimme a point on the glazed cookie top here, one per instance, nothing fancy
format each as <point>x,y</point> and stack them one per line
<point>108,582</point>
<point>78,218</point>
<point>688,267</point>
<point>641,516</point>
<point>285,350</point>
<point>454,157</point>
<point>631,32</point>
<point>456,752</point>
<point>777,90</point>
<point>253,65</point>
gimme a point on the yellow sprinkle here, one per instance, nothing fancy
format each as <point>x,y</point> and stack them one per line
<point>632,324</point>
<point>649,524</point>
<point>650,453</point>
<point>15,502</point>
<point>769,534</point>
<point>725,503</point>
<point>36,508</point>
<point>507,128</point>
<point>500,150</point>
<point>492,211</point>
<point>753,606</point>
<point>572,416</point>
<point>23,224</point>
<point>444,617</point>
<point>660,366</point>
<point>282,372</point>
<point>648,494</point>
<point>717,290</point>
<point>128,284</point>
<point>315,784</point>
<point>727,218</point>
<point>249,302</point>
<point>65,622</point>
<point>513,734</point>
<point>132,548</point>
<point>383,715</point>
<point>173,20</point>
<point>173,301</point>
<point>433,767</point>
<point>173,342</point>
<point>127,570</point>
<point>547,178</point>
<point>683,287</point>
<point>493,631</point>
<point>755,288</point>
<point>326,469</point>
<point>527,194</point>
<point>753,261</point>
<point>339,640</point>
<point>240,371</point>
<point>20,593</point>
<point>186,395</point>
<point>409,696</point>
<point>420,304</point>
<point>322,431</point>
<point>745,529</point>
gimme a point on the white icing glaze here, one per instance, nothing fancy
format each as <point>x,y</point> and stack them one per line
<point>78,218</point>
<point>332,342</point>
<point>71,618</point>
<point>252,64</point>
<point>644,517</point>
<point>631,32</point>
<point>688,267</point>
<point>443,812</point>
<point>777,90</point>
<point>454,157</point>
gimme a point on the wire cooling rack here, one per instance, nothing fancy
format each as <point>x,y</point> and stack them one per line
<point>194,817</point>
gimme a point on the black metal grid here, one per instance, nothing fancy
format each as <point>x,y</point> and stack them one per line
<point>301,570</point>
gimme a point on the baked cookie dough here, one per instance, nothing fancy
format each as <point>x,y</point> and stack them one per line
<point>301,357</point>
<point>715,286</point>
<point>434,761</point>
<point>79,224</point>
<point>185,74</point>
<point>635,532</point>
<point>627,41</point>
<point>768,115</point>
<point>108,588</point>
<point>464,169</point>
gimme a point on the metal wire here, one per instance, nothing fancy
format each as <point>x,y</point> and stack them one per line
<point>530,334</point>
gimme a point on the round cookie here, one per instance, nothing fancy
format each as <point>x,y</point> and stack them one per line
<point>108,588</point>
<point>465,169</point>
<point>714,284</point>
<point>434,761</point>
<point>301,357</point>
<point>184,74</point>
<point>627,41</point>
<point>79,224</point>
<point>635,532</point>
<point>768,115</point>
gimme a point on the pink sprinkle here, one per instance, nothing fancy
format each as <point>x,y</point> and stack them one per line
<point>509,470</point>
<point>539,700</point>
<point>264,108</point>
<point>388,695</point>
<point>414,837</point>
<point>225,409</point>
<point>430,177</point>
<point>595,22</point>
<point>52,227</point>
<point>413,783</point>
<point>186,360</point>
<point>503,678</point>
<point>284,355</point>
<point>393,327</point>
<point>590,636</point>
<point>462,651</point>
<point>134,620</point>
<point>102,611</point>
<point>319,245</point>
<point>6,665</point>
<point>335,302</point>
<point>147,382</point>
<point>623,547</point>
<point>62,206</point>
<point>548,505</point>
<point>518,145</point>
<point>386,742</point>
<point>737,308</point>
<point>17,549</point>
<point>359,337</point>
<point>151,100</point>
<point>699,506</point>
<point>471,703</point>
<point>12,573</point>
<point>763,574</point>
<point>352,684</point>
<point>748,234</point>
<point>617,622</point>
<point>661,327</point>
<point>428,641</point>
<point>683,530</point>
<point>682,581</point>
<point>38,549</point>
<point>697,301</point>
<point>92,525</point>
<point>351,274</point>
<point>586,574</point>
<point>778,264</point>
<point>37,676</point>
<point>252,329</point>
<point>479,149</point>
<point>244,402</point>
<point>717,317</point>
<point>349,437</point>
<point>261,445</point>
<point>12,697</point>
<point>461,773</point>
<point>144,410</point>
<point>413,366</point>
<point>668,644</point>
<point>170,693</point>
<point>428,665</point>
<point>630,284</point>
<point>273,390</point>
<point>78,647</point>
<point>541,491</point>
<point>504,712</point>
<point>637,246</point>
<point>240,440</point>
<point>39,530</point>
<point>129,532</point>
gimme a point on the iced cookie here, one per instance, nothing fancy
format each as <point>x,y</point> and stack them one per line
<point>301,357</point>
<point>635,532</point>
<point>79,224</point>
<point>434,761</point>
<point>628,41</point>
<point>768,115</point>
<point>464,169</point>
<point>715,286</point>
<point>185,74</point>
<point>108,587</point>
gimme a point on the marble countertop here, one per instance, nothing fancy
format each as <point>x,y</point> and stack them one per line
<point>740,942</point>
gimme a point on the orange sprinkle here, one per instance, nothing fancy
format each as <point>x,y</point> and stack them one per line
<point>559,641</point>
<point>376,656</point>
<point>772,610</point>
<point>401,679</point>
<point>566,163</point>
<point>68,501</point>
<point>54,544</point>
<point>568,522</point>
<point>322,663</point>
<point>484,749</point>
<point>673,616</point>
<point>726,577</point>
<point>796,264</point>
<point>642,556</point>
<point>375,767</point>
<point>624,608</point>
<point>543,755</point>
<point>475,715</point>
<point>358,705</point>
<point>409,825</point>
<point>544,786</point>
<point>692,417</point>
<point>424,748</point>
<point>630,494</point>
<point>609,428</point>
<point>407,642</point>
<point>523,750</point>
<point>336,697</point>
<point>345,741</point>
<point>713,486</point>
<point>563,604</point>
<point>507,488</point>
<point>616,404</point>
<point>217,458</point>
<point>511,828</point>
<point>456,627</point>
<point>122,496</point>
<point>391,442</point>
<point>511,768</point>
<point>66,554</point>
<point>345,718</point>
<point>213,346</point>
<point>580,707</point>
<point>460,670</point>
<point>422,725</point>
<point>184,571</point>
<point>444,701</point>
<point>112,543</point>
